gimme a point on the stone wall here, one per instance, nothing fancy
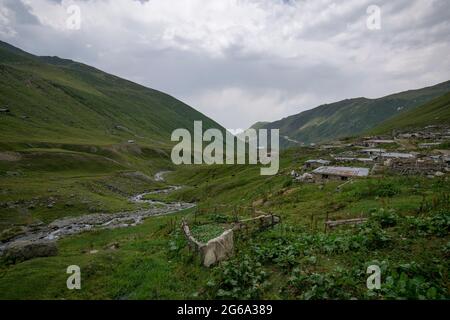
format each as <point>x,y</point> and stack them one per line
<point>415,167</point>
<point>222,247</point>
<point>215,250</point>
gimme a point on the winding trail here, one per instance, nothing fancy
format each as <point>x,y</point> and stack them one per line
<point>70,226</point>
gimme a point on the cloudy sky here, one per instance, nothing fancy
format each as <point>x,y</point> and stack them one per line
<point>242,61</point>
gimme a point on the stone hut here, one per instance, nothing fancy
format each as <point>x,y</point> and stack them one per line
<point>339,173</point>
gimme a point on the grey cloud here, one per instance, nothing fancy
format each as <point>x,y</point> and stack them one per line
<point>221,71</point>
<point>22,12</point>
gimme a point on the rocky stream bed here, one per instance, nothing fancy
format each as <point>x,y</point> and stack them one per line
<point>48,234</point>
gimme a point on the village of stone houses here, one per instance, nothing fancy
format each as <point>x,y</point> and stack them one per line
<point>422,152</point>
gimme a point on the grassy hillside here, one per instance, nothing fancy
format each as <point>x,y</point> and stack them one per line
<point>406,235</point>
<point>56,100</point>
<point>353,116</point>
<point>434,112</point>
<point>64,138</point>
<point>260,125</point>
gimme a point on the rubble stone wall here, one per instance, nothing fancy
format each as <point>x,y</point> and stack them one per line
<point>416,168</point>
<point>222,247</point>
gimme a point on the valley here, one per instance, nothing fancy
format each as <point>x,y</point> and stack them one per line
<point>298,258</point>
<point>85,164</point>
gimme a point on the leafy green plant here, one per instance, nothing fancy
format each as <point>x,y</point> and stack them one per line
<point>240,279</point>
<point>280,252</point>
<point>206,232</point>
<point>413,281</point>
<point>380,188</point>
<point>437,202</point>
<point>220,218</point>
<point>373,236</point>
<point>287,183</point>
<point>386,218</point>
<point>336,284</point>
<point>438,224</point>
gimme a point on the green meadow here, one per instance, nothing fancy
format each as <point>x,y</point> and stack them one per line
<point>406,234</point>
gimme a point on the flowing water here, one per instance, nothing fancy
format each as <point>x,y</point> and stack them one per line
<point>69,226</point>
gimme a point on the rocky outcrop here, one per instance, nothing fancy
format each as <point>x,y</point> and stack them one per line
<point>25,250</point>
<point>10,156</point>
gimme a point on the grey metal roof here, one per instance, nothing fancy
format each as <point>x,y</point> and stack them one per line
<point>397,155</point>
<point>430,144</point>
<point>343,171</point>
<point>373,150</point>
<point>380,141</point>
<point>353,159</point>
<point>319,161</point>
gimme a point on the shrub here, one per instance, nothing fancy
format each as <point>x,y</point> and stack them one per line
<point>373,236</point>
<point>337,284</point>
<point>438,224</point>
<point>380,189</point>
<point>386,218</point>
<point>241,279</point>
<point>413,281</point>
<point>220,218</point>
<point>287,183</point>
<point>280,252</point>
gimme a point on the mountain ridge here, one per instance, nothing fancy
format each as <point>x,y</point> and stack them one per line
<point>437,111</point>
<point>351,116</point>
<point>54,99</point>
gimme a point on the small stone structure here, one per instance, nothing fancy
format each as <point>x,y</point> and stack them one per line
<point>315,163</point>
<point>334,223</point>
<point>215,250</point>
<point>373,151</point>
<point>397,155</point>
<point>218,249</point>
<point>306,177</point>
<point>339,173</point>
<point>222,247</point>
<point>429,145</point>
<point>262,221</point>
<point>352,159</point>
<point>415,167</point>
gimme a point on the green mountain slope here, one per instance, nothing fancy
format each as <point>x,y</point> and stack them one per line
<point>434,112</point>
<point>352,116</point>
<point>259,125</point>
<point>55,100</point>
<point>65,131</point>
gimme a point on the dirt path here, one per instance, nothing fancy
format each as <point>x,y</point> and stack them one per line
<point>69,226</point>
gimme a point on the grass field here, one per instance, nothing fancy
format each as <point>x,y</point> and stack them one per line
<point>407,235</point>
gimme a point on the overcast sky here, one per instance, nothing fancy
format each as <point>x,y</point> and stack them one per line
<point>242,61</point>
